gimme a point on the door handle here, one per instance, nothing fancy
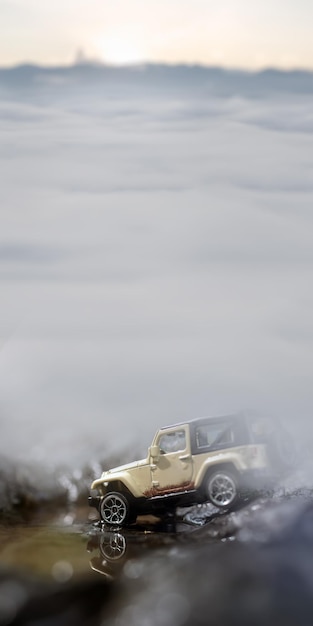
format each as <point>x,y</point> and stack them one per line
<point>185,457</point>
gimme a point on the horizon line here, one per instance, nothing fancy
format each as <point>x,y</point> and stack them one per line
<point>144,64</point>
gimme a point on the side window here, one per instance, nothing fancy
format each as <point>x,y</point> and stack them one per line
<point>173,442</point>
<point>215,435</point>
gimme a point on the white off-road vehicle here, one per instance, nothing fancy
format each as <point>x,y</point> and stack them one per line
<point>207,459</point>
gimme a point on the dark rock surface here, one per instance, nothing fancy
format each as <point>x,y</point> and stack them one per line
<point>248,567</point>
<point>261,580</point>
<point>28,602</point>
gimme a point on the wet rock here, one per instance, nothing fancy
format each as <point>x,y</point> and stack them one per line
<point>26,488</point>
<point>236,583</point>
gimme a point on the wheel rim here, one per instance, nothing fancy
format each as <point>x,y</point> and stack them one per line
<point>222,490</point>
<point>113,509</point>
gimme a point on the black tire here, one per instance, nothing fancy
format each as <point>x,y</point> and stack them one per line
<point>115,509</point>
<point>222,488</point>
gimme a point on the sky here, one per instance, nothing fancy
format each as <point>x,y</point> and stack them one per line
<point>233,33</point>
<point>156,264</point>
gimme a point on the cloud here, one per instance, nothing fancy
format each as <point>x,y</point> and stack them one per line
<point>26,253</point>
<point>155,264</point>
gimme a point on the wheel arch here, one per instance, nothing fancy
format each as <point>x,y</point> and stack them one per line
<point>212,468</point>
<point>118,483</point>
<point>120,487</point>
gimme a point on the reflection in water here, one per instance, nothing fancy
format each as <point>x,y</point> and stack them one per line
<point>115,548</point>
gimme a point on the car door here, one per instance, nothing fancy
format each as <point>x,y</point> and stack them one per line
<point>173,470</point>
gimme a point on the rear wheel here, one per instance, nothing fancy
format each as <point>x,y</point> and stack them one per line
<point>115,509</point>
<point>222,489</point>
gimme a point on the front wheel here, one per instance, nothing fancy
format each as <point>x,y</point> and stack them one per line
<point>222,489</point>
<point>115,509</point>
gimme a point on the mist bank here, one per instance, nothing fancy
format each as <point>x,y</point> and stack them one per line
<point>156,258</point>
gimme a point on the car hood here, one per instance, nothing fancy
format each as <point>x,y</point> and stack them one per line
<point>125,468</point>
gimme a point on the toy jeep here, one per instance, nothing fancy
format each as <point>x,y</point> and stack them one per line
<point>207,459</point>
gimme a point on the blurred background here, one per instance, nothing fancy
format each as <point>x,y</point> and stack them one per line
<point>156,255</point>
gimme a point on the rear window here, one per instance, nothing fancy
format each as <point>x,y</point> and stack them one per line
<point>215,435</point>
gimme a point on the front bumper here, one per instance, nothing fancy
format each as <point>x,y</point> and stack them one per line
<point>94,501</point>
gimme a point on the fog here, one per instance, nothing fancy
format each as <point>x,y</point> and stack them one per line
<point>156,261</point>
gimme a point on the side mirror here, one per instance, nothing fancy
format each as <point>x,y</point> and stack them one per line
<point>155,452</point>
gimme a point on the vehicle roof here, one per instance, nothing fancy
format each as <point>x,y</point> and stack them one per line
<point>204,420</point>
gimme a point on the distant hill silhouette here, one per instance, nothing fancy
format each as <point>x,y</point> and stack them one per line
<point>152,78</point>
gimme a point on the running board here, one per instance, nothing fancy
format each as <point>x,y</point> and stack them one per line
<point>173,494</point>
